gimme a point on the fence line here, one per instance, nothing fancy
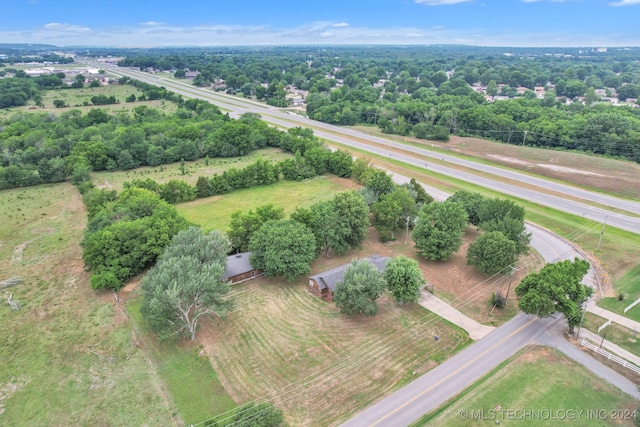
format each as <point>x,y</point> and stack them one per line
<point>610,356</point>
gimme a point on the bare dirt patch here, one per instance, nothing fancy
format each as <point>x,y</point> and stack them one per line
<point>609,175</point>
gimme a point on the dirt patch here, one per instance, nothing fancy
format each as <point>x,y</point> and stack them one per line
<point>9,389</point>
<point>556,168</point>
<point>18,251</point>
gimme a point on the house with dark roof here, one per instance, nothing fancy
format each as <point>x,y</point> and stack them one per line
<point>239,268</point>
<point>323,284</point>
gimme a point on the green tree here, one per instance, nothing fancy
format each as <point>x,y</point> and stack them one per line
<point>513,229</point>
<point>256,415</point>
<point>185,285</point>
<point>491,252</point>
<point>404,279</point>
<point>492,88</point>
<point>471,203</point>
<point>330,231</point>
<point>556,288</point>
<point>354,216</point>
<point>439,230</point>
<point>380,183</point>
<point>360,288</point>
<point>283,248</point>
<point>243,226</point>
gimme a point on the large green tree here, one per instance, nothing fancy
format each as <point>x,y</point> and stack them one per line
<point>404,279</point>
<point>354,216</point>
<point>556,288</point>
<point>185,285</point>
<point>283,248</point>
<point>360,288</point>
<point>243,225</point>
<point>513,229</point>
<point>329,228</point>
<point>439,229</point>
<point>492,253</point>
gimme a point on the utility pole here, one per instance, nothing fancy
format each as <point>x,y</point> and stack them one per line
<point>511,270</point>
<point>604,224</point>
<point>584,309</point>
<point>524,139</point>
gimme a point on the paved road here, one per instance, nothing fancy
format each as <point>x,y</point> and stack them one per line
<point>562,200</point>
<point>431,390</point>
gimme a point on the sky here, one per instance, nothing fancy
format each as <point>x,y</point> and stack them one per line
<point>131,23</point>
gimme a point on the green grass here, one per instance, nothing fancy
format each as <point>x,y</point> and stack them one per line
<point>193,385</point>
<point>617,334</point>
<point>214,213</point>
<point>523,383</point>
<point>629,286</point>
<point>193,170</point>
<point>67,356</point>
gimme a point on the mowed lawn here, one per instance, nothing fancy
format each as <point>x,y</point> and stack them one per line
<point>285,345</point>
<point>524,384</point>
<point>67,357</point>
<point>214,213</point>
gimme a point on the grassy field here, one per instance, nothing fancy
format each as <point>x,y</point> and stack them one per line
<point>285,345</point>
<point>629,286</point>
<point>68,356</point>
<point>214,213</point>
<point>194,386</point>
<point>75,98</point>
<point>617,334</point>
<point>523,384</point>
<point>193,170</point>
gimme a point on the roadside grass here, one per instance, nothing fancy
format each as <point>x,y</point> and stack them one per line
<point>214,213</point>
<point>619,250</point>
<point>67,356</point>
<point>629,286</point>
<point>285,345</point>
<point>597,173</point>
<point>620,335</point>
<point>522,384</point>
<point>194,169</point>
<point>193,385</point>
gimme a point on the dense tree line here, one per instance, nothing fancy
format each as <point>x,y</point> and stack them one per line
<point>37,148</point>
<point>426,92</point>
<point>125,234</point>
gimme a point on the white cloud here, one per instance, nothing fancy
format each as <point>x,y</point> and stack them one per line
<point>151,23</point>
<point>64,34</point>
<point>625,3</point>
<point>340,25</point>
<point>56,26</point>
<point>440,2</point>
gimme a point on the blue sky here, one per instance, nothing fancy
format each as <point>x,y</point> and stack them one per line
<point>285,22</point>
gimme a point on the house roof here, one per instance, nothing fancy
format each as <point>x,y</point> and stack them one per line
<point>237,264</point>
<point>329,278</point>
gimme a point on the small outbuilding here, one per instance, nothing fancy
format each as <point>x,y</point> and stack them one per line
<point>239,268</point>
<point>323,284</point>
